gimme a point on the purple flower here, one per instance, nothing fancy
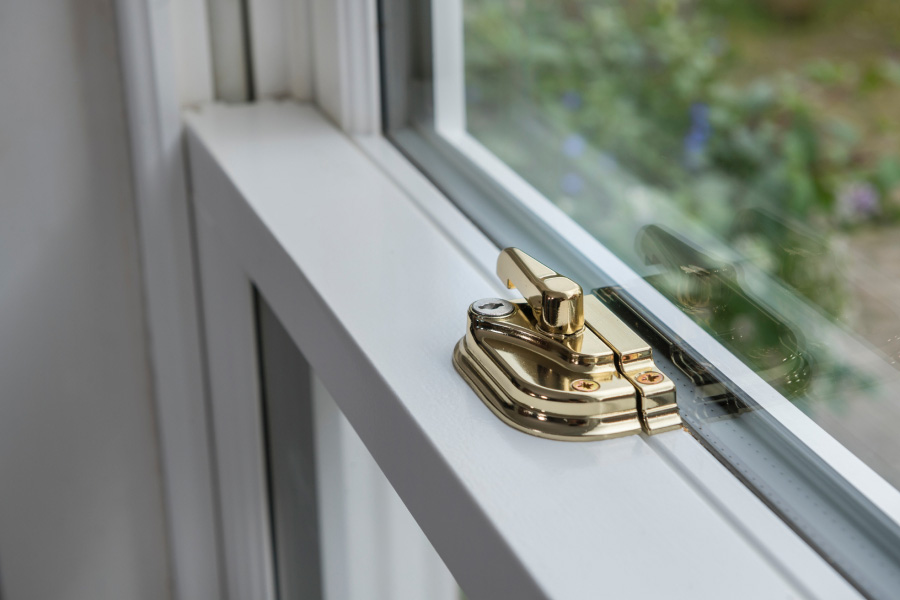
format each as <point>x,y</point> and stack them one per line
<point>697,137</point>
<point>700,125</point>
<point>857,200</point>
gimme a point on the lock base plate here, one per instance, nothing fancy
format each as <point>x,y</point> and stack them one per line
<point>513,382</point>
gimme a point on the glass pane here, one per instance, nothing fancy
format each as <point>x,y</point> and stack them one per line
<point>742,155</point>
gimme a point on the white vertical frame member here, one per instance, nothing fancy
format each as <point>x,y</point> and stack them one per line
<point>281,49</point>
<point>320,50</point>
<point>228,45</point>
<point>448,63</point>
<point>231,350</point>
<point>345,63</point>
<point>190,43</point>
<point>269,36</point>
<point>163,213</point>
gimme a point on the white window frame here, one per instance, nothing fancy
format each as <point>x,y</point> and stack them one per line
<point>475,486</point>
<point>472,483</point>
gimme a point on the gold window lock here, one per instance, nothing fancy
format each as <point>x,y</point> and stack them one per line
<point>560,365</point>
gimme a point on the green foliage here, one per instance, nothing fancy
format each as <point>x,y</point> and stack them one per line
<point>641,70</point>
<point>650,84</point>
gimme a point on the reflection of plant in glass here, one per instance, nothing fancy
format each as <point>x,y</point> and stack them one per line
<point>649,83</point>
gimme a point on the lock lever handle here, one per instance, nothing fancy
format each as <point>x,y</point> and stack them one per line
<point>557,301</point>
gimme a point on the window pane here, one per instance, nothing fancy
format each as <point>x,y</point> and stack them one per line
<point>742,155</point>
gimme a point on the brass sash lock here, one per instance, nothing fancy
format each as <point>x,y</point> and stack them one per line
<point>561,365</point>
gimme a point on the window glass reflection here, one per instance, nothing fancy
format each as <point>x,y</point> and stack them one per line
<point>742,155</point>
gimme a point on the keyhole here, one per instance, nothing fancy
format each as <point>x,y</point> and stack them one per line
<point>490,306</point>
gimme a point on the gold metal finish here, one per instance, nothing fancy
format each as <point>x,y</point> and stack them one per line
<point>634,359</point>
<point>541,370</point>
<point>554,299</point>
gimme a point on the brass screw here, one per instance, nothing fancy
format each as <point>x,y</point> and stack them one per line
<point>585,385</point>
<point>650,377</point>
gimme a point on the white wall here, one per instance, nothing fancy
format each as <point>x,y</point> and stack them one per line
<point>80,499</point>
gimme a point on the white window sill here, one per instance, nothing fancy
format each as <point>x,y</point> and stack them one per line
<point>373,288</point>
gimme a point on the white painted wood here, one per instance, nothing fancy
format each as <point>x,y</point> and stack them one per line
<point>171,304</point>
<point>448,64</point>
<point>190,45</point>
<point>347,261</point>
<point>444,215</point>
<point>228,48</point>
<point>281,45</point>
<point>397,52</point>
<point>345,63</point>
<point>235,405</point>
<point>326,57</point>
<point>269,22</point>
<point>300,49</point>
<point>372,548</point>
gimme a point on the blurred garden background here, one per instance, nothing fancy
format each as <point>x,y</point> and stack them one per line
<point>768,127</point>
